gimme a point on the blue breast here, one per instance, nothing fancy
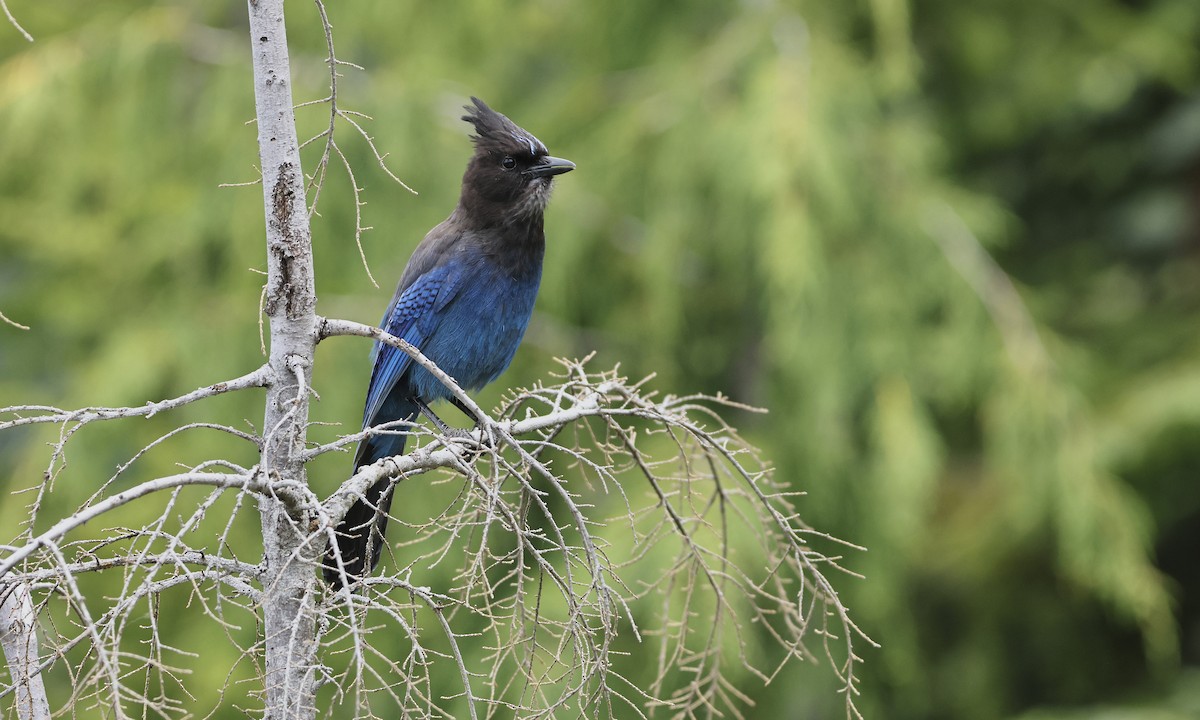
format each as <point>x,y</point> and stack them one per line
<point>478,332</point>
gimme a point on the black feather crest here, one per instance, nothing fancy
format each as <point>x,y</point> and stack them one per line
<point>496,133</point>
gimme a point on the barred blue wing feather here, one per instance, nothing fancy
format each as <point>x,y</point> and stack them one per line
<point>413,318</point>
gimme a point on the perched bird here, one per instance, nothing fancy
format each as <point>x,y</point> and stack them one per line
<point>464,300</point>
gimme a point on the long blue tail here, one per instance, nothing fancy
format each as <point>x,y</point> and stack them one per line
<point>360,535</point>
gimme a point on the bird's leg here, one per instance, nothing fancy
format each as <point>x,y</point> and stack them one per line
<point>441,425</point>
<point>466,410</point>
<point>485,436</point>
<point>448,430</point>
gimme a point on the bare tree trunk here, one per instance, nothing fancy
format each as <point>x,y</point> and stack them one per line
<point>288,597</point>
<point>18,639</point>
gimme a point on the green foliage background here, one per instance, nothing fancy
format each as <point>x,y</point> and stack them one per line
<point>813,207</point>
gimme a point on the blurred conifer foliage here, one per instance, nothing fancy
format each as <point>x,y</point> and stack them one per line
<point>952,247</point>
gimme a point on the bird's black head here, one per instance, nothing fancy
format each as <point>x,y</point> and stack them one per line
<point>508,179</point>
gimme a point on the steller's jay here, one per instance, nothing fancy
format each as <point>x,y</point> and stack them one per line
<point>464,300</point>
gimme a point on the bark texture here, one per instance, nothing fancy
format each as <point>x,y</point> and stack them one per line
<point>18,639</point>
<point>289,584</point>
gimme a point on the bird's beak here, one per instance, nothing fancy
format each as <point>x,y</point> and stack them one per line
<point>551,166</point>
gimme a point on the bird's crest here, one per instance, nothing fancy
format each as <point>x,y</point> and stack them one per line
<point>496,133</point>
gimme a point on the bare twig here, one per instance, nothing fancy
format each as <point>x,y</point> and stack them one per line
<point>321,170</point>
<point>13,21</point>
<point>81,518</point>
<point>4,319</point>
<point>35,414</point>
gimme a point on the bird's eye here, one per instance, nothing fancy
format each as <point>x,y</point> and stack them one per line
<point>509,162</point>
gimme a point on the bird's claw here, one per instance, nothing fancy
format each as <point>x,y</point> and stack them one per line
<point>474,442</point>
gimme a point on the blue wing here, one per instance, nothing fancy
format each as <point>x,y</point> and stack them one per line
<point>413,316</point>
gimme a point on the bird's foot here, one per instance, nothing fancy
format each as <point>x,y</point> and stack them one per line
<point>472,443</point>
<point>468,437</point>
<point>477,439</point>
